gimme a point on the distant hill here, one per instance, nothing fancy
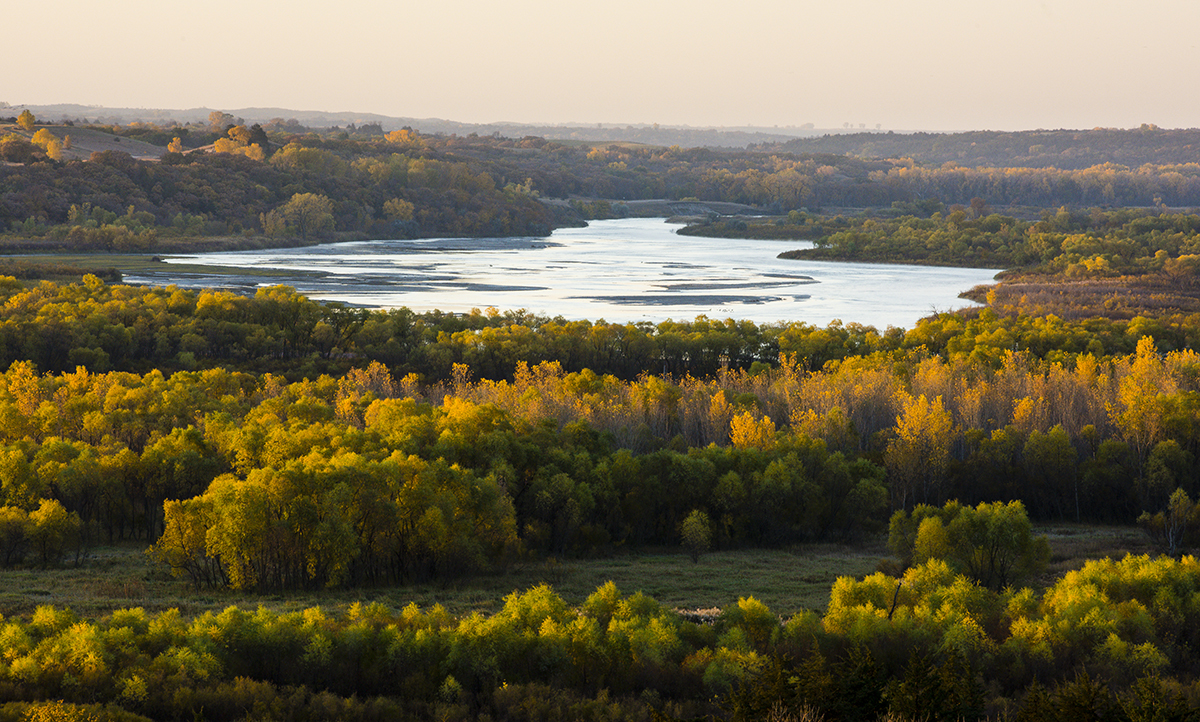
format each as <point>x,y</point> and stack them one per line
<point>1066,149</point>
<point>650,134</point>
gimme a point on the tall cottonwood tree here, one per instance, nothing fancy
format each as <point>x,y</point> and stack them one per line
<point>918,457</point>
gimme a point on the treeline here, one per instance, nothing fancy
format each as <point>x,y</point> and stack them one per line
<point>1067,149</point>
<point>1111,641</point>
<point>130,328</point>
<point>1071,245</point>
<point>366,479</point>
<point>779,181</point>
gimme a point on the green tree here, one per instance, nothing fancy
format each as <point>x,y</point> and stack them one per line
<point>696,532</point>
<point>1174,525</point>
<point>1050,462</point>
<point>990,543</point>
<point>14,535</point>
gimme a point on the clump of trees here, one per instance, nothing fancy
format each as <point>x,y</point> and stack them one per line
<point>45,535</point>
<point>1111,640</point>
<point>1177,527</point>
<point>992,544</point>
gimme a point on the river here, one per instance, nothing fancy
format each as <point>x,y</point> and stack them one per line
<point>617,270</point>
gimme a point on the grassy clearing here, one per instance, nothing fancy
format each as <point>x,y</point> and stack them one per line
<point>786,580</point>
<point>1073,544</point>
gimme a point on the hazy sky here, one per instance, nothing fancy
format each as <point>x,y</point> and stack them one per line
<point>904,64</point>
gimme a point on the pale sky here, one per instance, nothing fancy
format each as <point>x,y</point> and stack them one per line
<point>903,64</point>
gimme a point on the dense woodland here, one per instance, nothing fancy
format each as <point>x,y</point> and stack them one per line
<point>1089,421</point>
<point>268,444</point>
<point>1067,245</point>
<point>283,185</point>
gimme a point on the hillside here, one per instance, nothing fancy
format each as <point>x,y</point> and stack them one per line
<point>85,141</point>
<point>1066,149</point>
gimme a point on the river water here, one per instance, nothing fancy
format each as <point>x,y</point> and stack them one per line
<point>617,270</point>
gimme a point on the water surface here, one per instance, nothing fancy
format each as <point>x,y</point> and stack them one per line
<point>618,270</point>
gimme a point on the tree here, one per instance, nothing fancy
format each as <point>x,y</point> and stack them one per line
<point>746,432</point>
<point>1172,526</point>
<point>1050,461</point>
<point>53,530</point>
<point>14,535</point>
<point>308,213</point>
<point>696,531</point>
<point>218,120</point>
<point>917,459</point>
<point>26,119</point>
<point>52,145</point>
<point>398,209</point>
<point>1141,413</point>
<point>43,137</point>
<point>990,543</point>
<point>175,146</point>
<point>258,137</point>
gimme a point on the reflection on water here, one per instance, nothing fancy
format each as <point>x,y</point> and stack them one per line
<point>620,270</point>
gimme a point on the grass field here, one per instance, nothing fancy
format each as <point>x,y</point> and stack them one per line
<point>786,580</point>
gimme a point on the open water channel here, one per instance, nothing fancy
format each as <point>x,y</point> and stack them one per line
<point>617,270</point>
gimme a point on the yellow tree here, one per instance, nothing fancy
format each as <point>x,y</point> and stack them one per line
<point>917,458</point>
<point>43,137</point>
<point>1140,413</point>
<point>745,431</point>
<point>26,119</point>
<point>308,213</point>
<point>398,209</point>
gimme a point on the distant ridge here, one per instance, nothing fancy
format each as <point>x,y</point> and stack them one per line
<point>648,133</point>
<point>1067,149</point>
